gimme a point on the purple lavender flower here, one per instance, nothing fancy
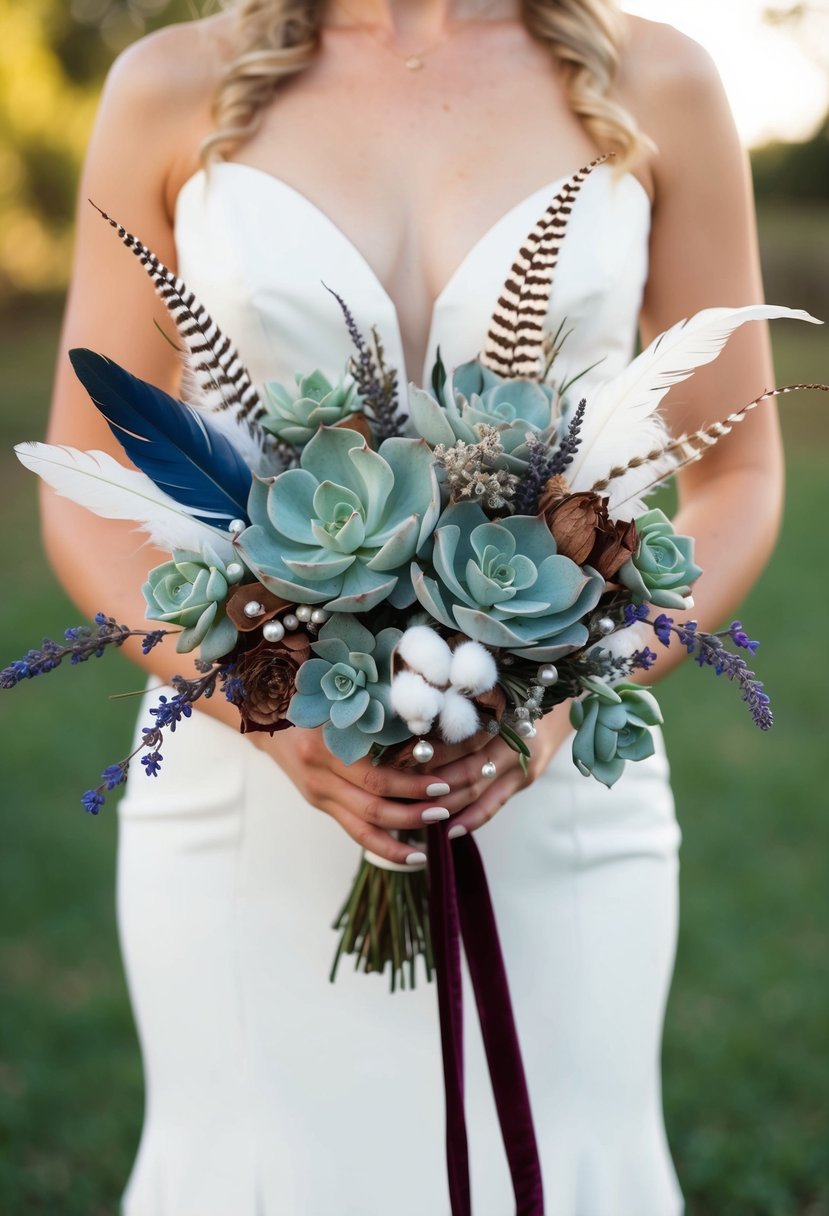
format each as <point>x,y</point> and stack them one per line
<point>152,763</point>
<point>662,628</point>
<point>115,774</point>
<point>643,659</point>
<point>740,638</point>
<point>92,801</point>
<point>634,613</point>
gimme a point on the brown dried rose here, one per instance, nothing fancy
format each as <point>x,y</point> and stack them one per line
<point>584,532</point>
<point>268,674</point>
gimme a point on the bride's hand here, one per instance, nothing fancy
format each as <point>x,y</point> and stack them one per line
<point>484,796</point>
<point>370,801</point>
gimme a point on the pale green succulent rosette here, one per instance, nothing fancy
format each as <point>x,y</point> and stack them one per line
<point>662,569</point>
<point>346,689</point>
<point>504,584</point>
<point>295,415</point>
<point>342,529</point>
<point>612,727</point>
<point>190,591</point>
<point>473,395</point>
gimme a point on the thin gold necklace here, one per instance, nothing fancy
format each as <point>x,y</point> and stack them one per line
<point>414,61</point>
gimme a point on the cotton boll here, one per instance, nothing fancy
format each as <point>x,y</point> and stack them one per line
<point>426,652</point>
<point>418,727</point>
<point>415,700</point>
<point>473,669</point>
<point>458,718</point>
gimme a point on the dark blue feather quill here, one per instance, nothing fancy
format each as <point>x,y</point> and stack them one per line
<point>171,442</point>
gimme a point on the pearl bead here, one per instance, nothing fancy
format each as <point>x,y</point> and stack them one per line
<point>488,769</point>
<point>423,751</point>
<point>303,613</point>
<point>253,608</point>
<point>605,625</point>
<point>319,616</point>
<point>547,675</point>
<point>526,730</point>
<point>235,570</point>
<point>273,631</point>
<point>236,526</point>
<point>290,621</point>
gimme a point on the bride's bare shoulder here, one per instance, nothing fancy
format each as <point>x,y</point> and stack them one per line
<point>155,105</point>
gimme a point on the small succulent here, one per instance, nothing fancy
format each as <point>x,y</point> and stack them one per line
<point>191,591</point>
<point>504,584</point>
<point>345,689</point>
<point>662,569</point>
<point>342,529</point>
<point>295,415</point>
<point>612,727</point>
<point>473,396</point>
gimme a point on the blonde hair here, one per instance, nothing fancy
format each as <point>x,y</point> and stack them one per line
<point>276,39</point>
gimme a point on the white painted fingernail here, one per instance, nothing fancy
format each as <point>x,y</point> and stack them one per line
<point>456,831</point>
<point>435,814</point>
<point>416,859</point>
<point>437,789</point>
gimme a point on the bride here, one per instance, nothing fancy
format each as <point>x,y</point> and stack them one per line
<point>401,150</point>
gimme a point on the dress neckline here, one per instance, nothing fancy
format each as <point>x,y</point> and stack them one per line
<point>271,181</point>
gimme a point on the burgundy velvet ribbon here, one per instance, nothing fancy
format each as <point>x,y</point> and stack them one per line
<point>460,905</point>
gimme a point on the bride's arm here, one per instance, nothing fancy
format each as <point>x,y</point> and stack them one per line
<point>155,104</point>
<point>703,254</point>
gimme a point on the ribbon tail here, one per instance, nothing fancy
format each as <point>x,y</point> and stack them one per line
<point>500,1037</point>
<point>444,924</point>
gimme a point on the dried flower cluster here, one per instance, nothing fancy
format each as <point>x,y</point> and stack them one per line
<point>471,473</point>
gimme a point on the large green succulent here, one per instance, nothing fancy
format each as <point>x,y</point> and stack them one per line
<point>342,529</point>
<point>662,569</point>
<point>472,395</point>
<point>346,687</point>
<point>504,584</point>
<point>190,591</point>
<point>612,727</point>
<point>295,415</point>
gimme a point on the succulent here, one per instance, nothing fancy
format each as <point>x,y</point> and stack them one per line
<point>295,415</point>
<point>190,591</point>
<point>342,529</point>
<point>503,584</point>
<point>662,569</point>
<point>612,727</point>
<point>473,396</point>
<point>345,689</point>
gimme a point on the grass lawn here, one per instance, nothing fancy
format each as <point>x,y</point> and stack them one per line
<point>746,1059</point>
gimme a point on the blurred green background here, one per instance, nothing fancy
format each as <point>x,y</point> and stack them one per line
<point>746,1052</point>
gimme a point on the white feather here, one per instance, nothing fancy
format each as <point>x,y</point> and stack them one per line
<point>98,482</point>
<point>621,420</point>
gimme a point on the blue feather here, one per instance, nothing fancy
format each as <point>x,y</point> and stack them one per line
<point>171,442</point>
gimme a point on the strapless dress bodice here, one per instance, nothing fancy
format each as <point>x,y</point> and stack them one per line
<point>256,252</point>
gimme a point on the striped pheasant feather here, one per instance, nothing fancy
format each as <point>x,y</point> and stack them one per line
<point>515,340</point>
<point>215,365</point>
<point>691,446</point>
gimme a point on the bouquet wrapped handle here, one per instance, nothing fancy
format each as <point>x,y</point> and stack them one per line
<point>461,908</point>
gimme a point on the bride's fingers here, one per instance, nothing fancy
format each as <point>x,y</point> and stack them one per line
<point>466,774</point>
<point>375,839</point>
<point>384,813</point>
<point>446,753</point>
<point>479,812</point>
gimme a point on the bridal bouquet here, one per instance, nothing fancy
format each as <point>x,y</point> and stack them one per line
<point>400,580</point>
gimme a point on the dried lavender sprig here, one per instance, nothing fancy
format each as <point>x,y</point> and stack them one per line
<point>81,642</point>
<point>565,452</point>
<point>709,650</point>
<point>167,714</point>
<point>535,477</point>
<point>375,383</point>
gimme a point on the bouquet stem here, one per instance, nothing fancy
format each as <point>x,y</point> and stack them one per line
<point>385,919</point>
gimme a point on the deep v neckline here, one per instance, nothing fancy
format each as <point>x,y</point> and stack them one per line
<point>275,183</point>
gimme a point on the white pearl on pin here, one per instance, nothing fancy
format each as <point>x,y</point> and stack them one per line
<point>253,608</point>
<point>547,675</point>
<point>273,631</point>
<point>319,616</point>
<point>605,625</point>
<point>423,751</point>
<point>526,730</point>
<point>236,526</point>
<point>303,613</point>
<point>489,769</point>
<point>235,570</point>
<point>290,621</point>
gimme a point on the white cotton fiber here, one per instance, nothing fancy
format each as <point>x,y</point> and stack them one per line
<point>425,651</point>
<point>473,669</point>
<point>458,718</point>
<point>415,700</point>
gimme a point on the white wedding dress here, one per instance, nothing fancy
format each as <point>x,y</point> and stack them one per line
<point>270,1091</point>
